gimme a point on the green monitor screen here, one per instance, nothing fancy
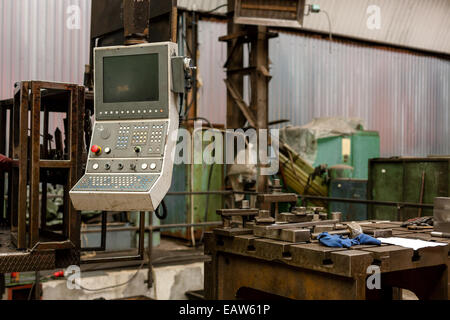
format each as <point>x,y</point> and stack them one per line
<point>132,78</point>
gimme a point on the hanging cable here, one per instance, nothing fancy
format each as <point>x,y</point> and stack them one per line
<point>165,212</point>
<point>330,29</point>
<point>315,8</point>
<point>117,285</point>
<point>215,9</point>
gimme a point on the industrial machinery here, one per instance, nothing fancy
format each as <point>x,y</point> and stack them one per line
<point>130,162</point>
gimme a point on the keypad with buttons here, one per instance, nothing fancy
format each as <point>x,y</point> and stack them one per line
<point>149,138</point>
<point>116,183</point>
<point>123,137</point>
<point>140,135</point>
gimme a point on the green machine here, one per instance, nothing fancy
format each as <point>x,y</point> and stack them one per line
<point>348,158</point>
<point>353,150</point>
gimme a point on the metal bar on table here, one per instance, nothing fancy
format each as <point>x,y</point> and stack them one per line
<point>300,224</point>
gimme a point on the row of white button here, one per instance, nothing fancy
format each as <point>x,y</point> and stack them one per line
<point>130,112</point>
<point>144,166</point>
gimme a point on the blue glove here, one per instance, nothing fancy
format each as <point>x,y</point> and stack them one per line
<point>337,241</point>
<point>365,239</point>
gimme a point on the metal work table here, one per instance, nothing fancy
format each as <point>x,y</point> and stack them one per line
<point>245,266</point>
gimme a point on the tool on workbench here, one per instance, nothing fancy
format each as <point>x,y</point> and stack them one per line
<point>354,228</point>
<point>228,228</point>
<point>440,234</point>
<point>264,218</point>
<point>336,216</point>
<point>376,233</point>
<point>267,200</point>
<point>289,232</point>
<point>420,221</point>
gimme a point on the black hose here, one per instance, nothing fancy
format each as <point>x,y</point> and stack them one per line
<point>164,215</point>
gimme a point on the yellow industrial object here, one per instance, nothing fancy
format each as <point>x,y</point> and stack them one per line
<point>296,171</point>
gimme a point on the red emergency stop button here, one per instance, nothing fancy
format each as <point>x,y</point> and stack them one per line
<point>96,149</point>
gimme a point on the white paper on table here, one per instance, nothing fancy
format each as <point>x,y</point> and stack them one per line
<point>411,243</point>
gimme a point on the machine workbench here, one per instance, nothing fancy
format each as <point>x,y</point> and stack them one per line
<point>246,266</point>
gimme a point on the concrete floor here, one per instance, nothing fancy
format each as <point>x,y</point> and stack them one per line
<point>172,277</point>
<point>170,282</point>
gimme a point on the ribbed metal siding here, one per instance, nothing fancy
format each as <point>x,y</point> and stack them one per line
<point>213,54</point>
<point>404,96</point>
<point>411,23</point>
<point>414,24</point>
<point>35,43</point>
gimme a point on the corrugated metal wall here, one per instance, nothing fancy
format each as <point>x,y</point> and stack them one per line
<point>404,96</point>
<point>36,43</point>
<point>213,54</point>
<point>411,23</point>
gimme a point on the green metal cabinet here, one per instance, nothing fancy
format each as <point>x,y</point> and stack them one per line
<point>362,146</point>
<point>349,189</point>
<point>400,180</point>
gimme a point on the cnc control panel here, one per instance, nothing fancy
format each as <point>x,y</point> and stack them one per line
<point>130,162</point>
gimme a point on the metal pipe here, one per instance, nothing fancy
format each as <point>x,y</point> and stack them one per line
<point>167,226</point>
<point>113,259</point>
<point>219,192</point>
<point>382,203</point>
<point>185,225</point>
<point>149,253</point>
<point>183,193</point>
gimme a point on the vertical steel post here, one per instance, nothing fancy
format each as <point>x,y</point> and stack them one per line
<point>136,15</point>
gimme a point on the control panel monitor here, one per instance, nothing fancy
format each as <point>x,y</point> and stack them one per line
<point>130,162</point>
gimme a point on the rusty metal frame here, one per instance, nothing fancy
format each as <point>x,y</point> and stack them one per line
<point>27,108</point>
